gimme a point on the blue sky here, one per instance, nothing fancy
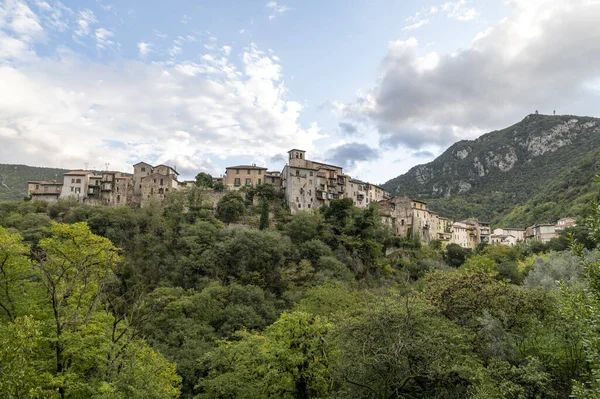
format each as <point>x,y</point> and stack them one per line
<point>377,86</point>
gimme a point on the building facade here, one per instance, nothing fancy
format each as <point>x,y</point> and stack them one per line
<point>75,184</point>
<point>240,176</point>
<point>44,190</point>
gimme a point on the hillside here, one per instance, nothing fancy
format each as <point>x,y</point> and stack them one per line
<point>537,170</point>
<point>13,179</point>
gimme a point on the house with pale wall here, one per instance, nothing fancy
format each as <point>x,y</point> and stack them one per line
<point>465,235</point>
<point>75,184</point>
<point>411,218</point>
<point>44,190</point>
<point>240,176</point>
<point>507,236</point>
<point>565,223</point>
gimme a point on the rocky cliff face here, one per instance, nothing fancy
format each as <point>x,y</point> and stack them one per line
<point>472,165</point>
<point>505,168</point>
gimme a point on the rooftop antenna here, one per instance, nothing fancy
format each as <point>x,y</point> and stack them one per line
<point>107,164</point>
<point>86,165</point>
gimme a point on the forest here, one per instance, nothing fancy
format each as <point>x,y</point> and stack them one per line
<point>180,300</point>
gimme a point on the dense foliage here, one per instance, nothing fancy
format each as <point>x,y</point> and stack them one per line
<point>180,300</point>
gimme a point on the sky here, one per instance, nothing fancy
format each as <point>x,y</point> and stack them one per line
<point>375,86</point>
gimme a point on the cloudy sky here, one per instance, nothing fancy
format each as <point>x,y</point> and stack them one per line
<point>376,86</point>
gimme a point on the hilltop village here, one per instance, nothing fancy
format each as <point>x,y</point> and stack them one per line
<point>304,184</point>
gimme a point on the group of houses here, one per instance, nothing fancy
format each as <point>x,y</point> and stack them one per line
<point>305,185</point>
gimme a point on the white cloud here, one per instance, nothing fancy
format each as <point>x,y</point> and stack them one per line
<point>144,48</point>
<point>174,50</point>
<point>17,17</point>
<point>416,25</point>
<point>276,8</point>
<point>523,63</point>
<point>103,38</point>
<point>86,18</point>
<point>65,110</point>
<point>459,10</point>
<point>185,19</point>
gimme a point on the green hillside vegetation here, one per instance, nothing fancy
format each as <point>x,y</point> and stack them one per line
<point>247,301</point>
<point>14,178</point>
<point>537,189</point>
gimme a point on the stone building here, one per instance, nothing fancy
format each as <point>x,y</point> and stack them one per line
<point>357,190</point>
<point>273,178</point>
<point>465,235</point>
<point>240,176</point>
<point>410,218</point>
<point>483,230</point>
<point>44,190</point>
<point>541,232</point>
<point>444,230</point>
<point>308,184</point>
<point>156,182</point>
<point>75,184</point>
<point>565,223</point>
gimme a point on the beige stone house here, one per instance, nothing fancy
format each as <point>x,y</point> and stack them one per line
<point>240,176</point>
<point>44,190</point>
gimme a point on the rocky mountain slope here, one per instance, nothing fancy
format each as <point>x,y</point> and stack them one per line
<point>537,170</point>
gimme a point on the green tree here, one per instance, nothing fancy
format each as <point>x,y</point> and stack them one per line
<point>264,214</point>
<point>231,207</point>
<point>203,179</point>
<point>290,360</point>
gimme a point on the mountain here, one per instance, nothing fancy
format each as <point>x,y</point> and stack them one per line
<point>13,179</point>
<point>536,171</point>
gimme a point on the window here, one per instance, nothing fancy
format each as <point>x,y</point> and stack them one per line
<point>160,191</point>
<point>161,182</point>
<point>77,190</point>
<point>118,198</point>
<point>153,180</point>
<point>72,180</point>
<point>78,181</point>
<point>140,186</point>
<point>402,222</point>
<point>300,155</point>
<point>272,180</point>
<point>37,186</point>
<point>144,169</point>
<point>297,172</point>
<point>237,171</point>
<point>72,189</point>
<point>297,199</point>
<point>299,205</point>
<point>236,181</point>
<point>259,180</point>
<point>311,173</point>
<point>249,171</point>
<point>309,205</point>
<point>260,171</point>
<point>248,182</point>
<point>296,155</point>
<point>309,192</point>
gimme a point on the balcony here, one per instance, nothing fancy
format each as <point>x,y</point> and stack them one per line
<point>106,187</point>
